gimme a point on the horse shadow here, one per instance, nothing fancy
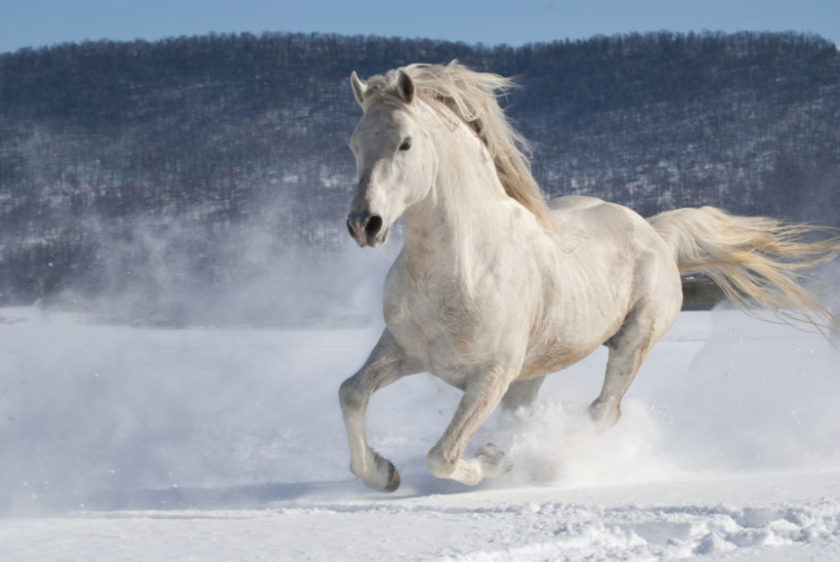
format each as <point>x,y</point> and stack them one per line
<point>254,496</point>
<point>268,495</point>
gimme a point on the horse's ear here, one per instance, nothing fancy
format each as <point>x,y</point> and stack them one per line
<point>359,87</point>
<point>405,87</point>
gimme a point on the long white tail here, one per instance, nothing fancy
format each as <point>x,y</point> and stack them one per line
<point>754,260</point>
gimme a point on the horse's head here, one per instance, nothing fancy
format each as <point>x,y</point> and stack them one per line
<point>394,156</point>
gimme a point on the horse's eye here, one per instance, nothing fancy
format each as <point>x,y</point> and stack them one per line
<point>406,144</point>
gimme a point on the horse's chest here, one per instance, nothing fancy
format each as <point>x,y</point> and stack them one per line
<point>437,322</point>
<point>424,311</point>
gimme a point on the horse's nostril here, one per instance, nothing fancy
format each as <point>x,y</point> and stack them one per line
<point>350,228</point>
<point>373,226</point>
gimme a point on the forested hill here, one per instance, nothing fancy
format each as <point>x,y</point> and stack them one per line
<point>117,159</point>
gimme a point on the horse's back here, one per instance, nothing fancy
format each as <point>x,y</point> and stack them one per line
<point>601,222</point>
<point>571,202</point>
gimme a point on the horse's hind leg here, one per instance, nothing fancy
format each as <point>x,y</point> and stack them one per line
<point>627,351</point>
<point>386,364</point>
<point>655,310</point>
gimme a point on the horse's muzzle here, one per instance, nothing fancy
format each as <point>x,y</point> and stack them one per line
<point>367,229</point>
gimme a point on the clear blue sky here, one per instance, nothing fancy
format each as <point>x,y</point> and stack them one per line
<point>34,23</point>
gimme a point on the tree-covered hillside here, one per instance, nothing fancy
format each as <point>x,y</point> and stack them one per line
<point>166,163</point>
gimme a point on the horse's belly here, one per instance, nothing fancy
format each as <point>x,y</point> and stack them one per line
<point>555,356</point>
<point>571,330</point>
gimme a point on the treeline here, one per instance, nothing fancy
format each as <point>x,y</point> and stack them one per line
<point>153,163</point>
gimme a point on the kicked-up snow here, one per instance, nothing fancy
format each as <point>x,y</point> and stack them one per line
<point>123,443</point>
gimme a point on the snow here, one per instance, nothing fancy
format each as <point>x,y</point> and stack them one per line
<point>129,443</point>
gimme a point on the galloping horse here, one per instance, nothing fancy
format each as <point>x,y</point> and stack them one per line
<point>494,288</point>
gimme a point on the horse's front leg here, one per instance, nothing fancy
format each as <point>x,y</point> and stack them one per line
<point>481,395</point>
<point>386,364</point>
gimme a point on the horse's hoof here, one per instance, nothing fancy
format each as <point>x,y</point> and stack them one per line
<point>383,478</point>
<point>393,478</point>
<point>494,461</point>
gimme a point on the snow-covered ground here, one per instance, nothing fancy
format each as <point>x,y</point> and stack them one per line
<point>122,443</point>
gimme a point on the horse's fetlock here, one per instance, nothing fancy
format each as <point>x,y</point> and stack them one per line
<point>605,413</point>
<point>439,465</point>
<point>359,468</point>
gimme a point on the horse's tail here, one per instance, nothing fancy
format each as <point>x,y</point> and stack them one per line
<point>754,260</point>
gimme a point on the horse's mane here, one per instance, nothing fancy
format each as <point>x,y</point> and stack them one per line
<point>472,96</point>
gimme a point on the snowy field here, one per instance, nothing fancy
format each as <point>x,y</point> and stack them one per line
<point>123,443</point>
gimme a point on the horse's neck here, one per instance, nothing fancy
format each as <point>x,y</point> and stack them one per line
<point>467,208</point>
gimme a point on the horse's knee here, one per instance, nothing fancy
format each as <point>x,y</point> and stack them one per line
<point>350,396</point>
<point>438,465</point>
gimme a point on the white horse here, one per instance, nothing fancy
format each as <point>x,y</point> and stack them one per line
<point>494,288</point>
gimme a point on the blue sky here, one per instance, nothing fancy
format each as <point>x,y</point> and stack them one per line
<point>25,23</point>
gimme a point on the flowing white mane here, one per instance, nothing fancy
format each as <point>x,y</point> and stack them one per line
<point>472,97</point>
